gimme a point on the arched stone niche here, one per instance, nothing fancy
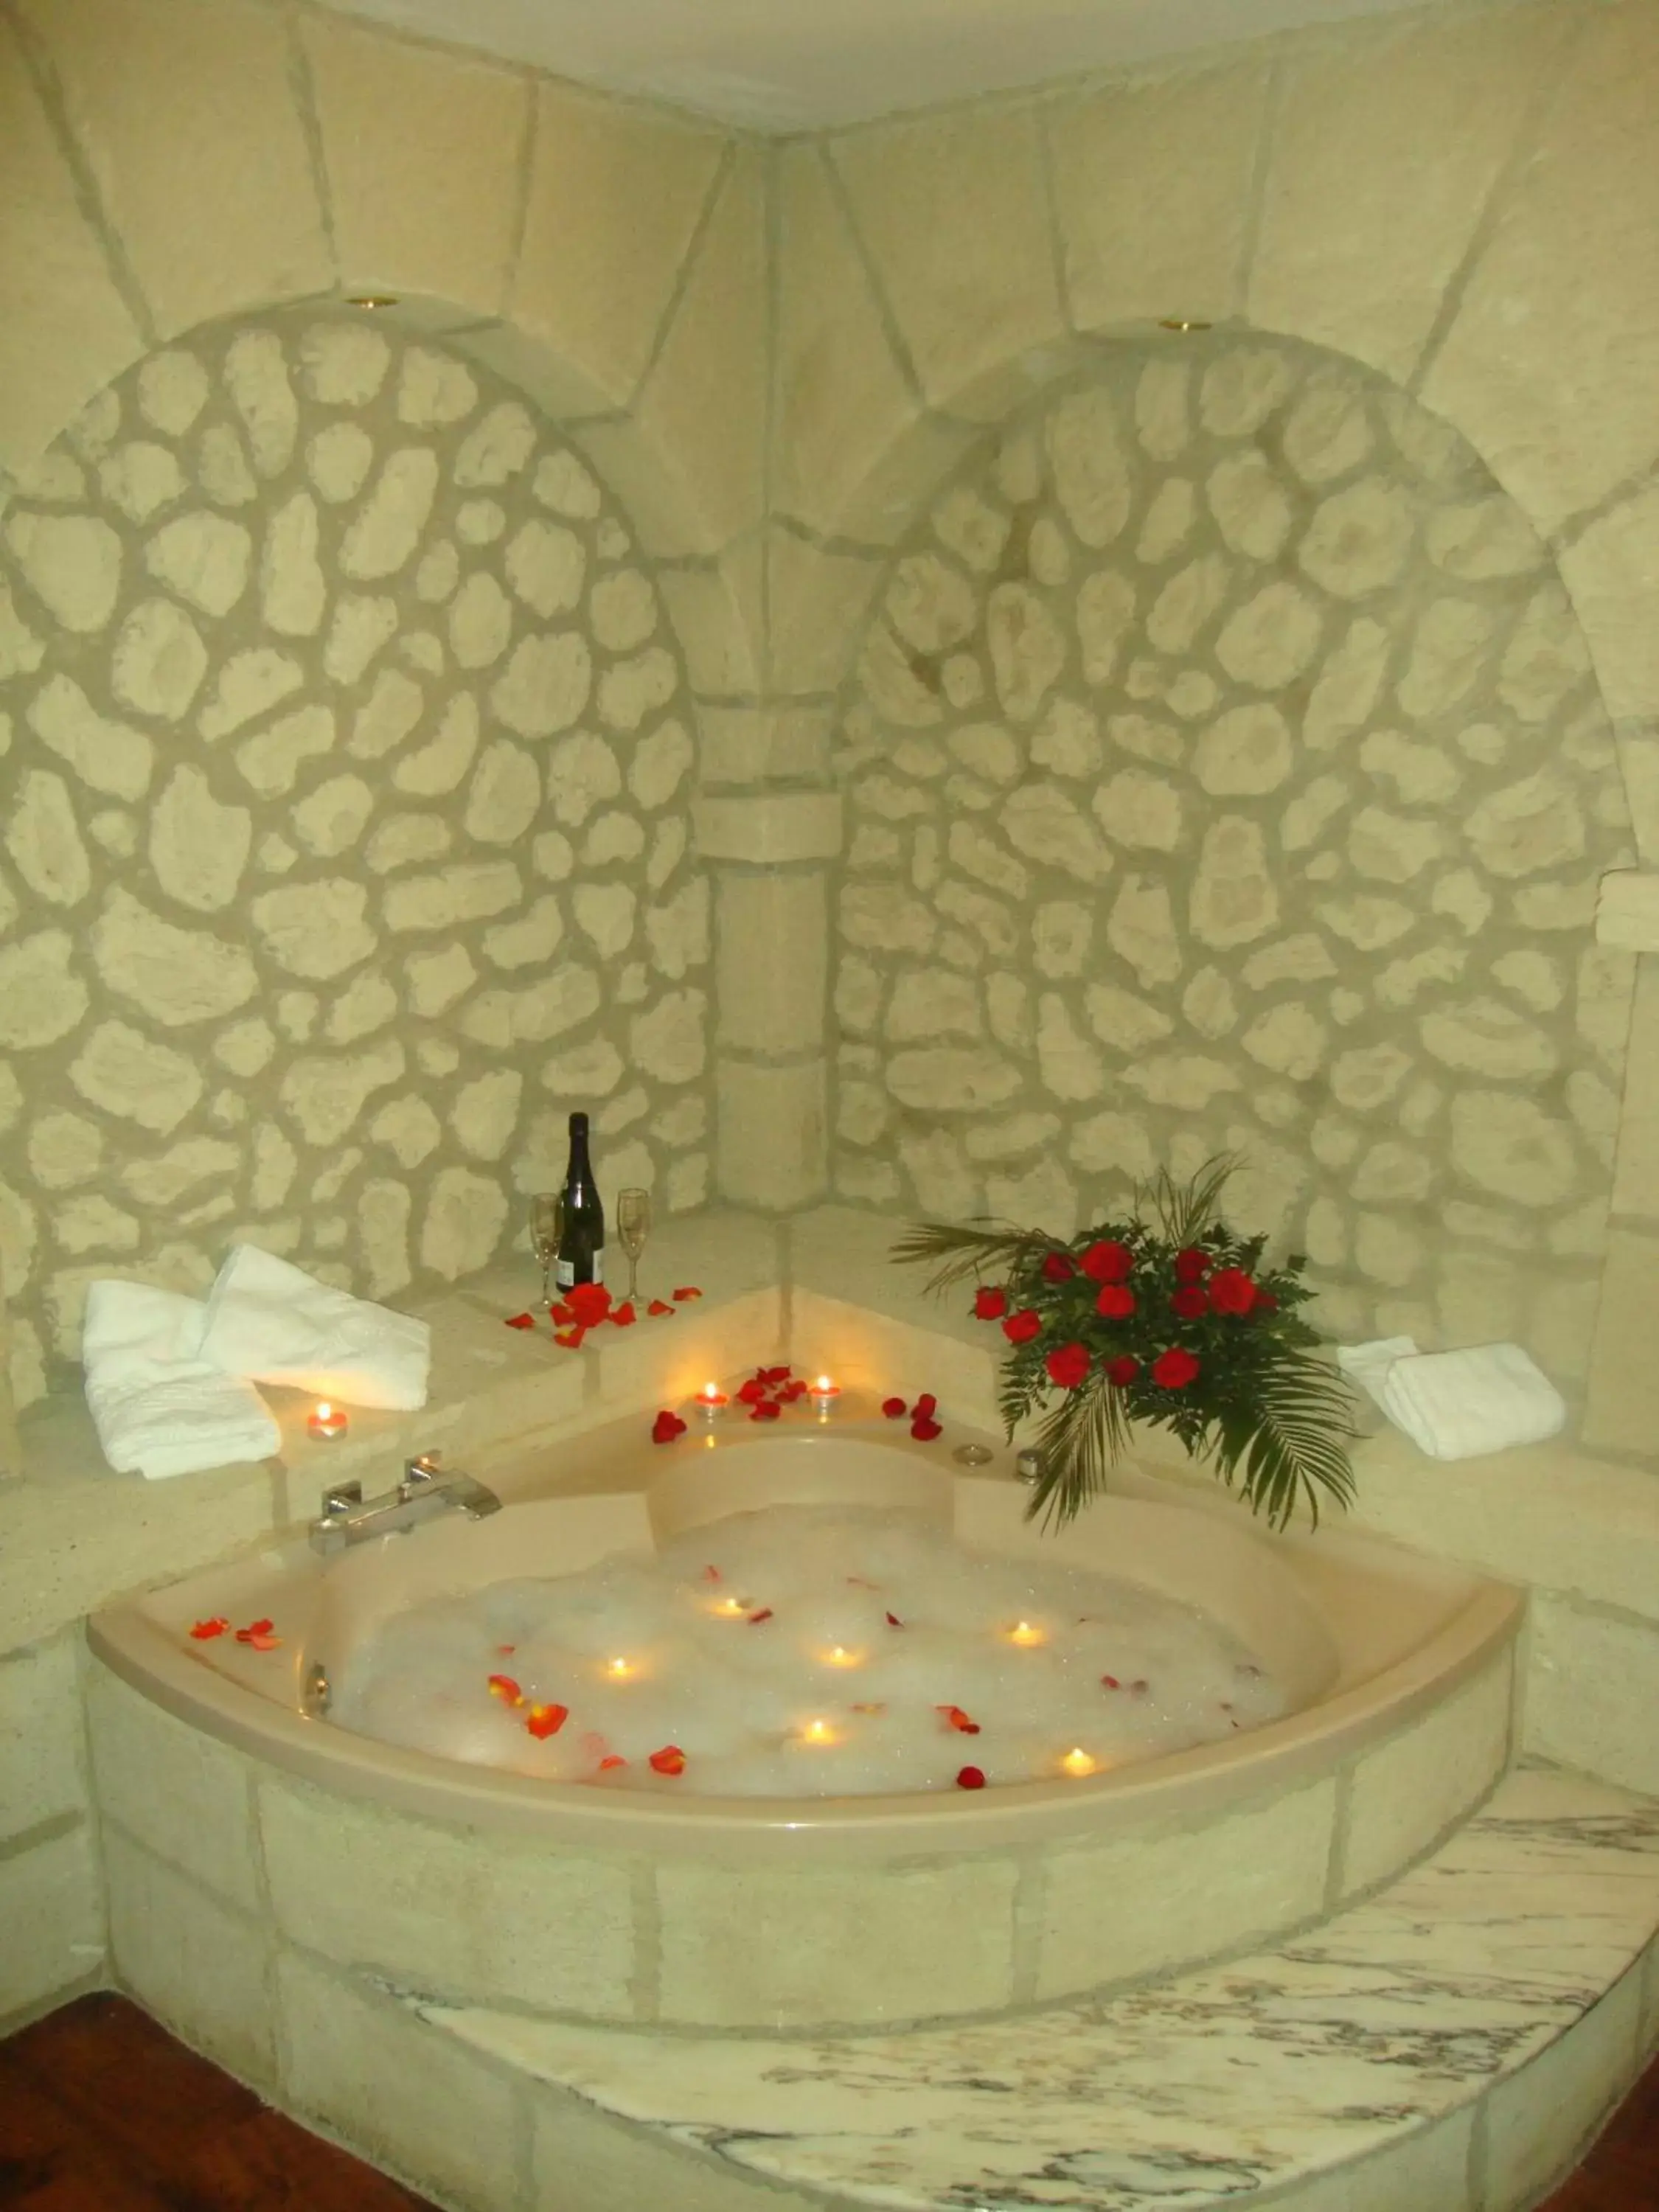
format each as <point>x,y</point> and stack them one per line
<point>1226,772</point>
<point>347,840</point>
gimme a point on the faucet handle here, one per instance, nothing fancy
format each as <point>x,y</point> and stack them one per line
<point>419,1471</point>
<point>341,1497</point>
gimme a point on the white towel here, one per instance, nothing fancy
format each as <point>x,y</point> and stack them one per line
<point>274,1323</point>
<point>159,1407</point>
<point>1454,1405</point>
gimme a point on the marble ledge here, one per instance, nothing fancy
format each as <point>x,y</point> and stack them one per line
<point>1343,2069</point>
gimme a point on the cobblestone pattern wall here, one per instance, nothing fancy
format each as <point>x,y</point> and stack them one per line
<point>1226,773</point>
<point>347,764</point>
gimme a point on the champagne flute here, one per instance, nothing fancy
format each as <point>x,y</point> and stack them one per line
<point>633,1227</point>
<point>546,1228</point>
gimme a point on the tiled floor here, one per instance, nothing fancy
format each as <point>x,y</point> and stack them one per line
<point>102,2111</point>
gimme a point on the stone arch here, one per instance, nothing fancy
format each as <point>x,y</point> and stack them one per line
<point>965,933</point>
<point>320,908</point>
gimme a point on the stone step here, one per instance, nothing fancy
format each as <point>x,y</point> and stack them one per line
<point>1446,2046</point>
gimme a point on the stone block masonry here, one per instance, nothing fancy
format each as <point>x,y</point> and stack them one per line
<point>1226,772</point>
<point>347,838</point>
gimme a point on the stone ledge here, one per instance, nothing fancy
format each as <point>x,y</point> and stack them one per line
<point>1502,1978</point>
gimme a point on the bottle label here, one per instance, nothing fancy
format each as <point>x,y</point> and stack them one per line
<point>564,1272</point>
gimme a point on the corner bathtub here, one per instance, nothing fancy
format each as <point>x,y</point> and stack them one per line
<point>470,1885</point>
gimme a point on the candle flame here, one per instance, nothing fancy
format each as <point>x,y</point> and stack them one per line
<point>839,1655</point>
<point>620,1669</point>
<point>824,1384</point>
<point>730,1606</point>
<point>1078,1761</point>
<point>324,1411</point>
<point>1024,1632</point>
<point>818,1732</point>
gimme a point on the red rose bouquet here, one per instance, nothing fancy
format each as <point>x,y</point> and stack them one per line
<point>1177,1322</point>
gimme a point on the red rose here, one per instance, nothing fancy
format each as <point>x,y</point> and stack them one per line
<point>1231,1292</point>
<point>1021,1328</point>
<point>1173,1370</point>
<point>1107,1262</point>
<point>1191,1264</point>
<point>990,1302</point>
<point>1116,1301</point>
<point>589,1302</point>
<point>1190,1302</point>
<point>1067,1367</point>
<point>1058,1267</point>
<point>1123,1372</point>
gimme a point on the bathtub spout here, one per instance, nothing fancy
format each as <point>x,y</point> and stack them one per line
<point>425,1490</point>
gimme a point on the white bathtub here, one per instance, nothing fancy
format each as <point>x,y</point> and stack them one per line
<point>481,1885</point>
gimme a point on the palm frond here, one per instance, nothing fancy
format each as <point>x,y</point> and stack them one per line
<point>1185,1210</point>
<point>960,1251</point>
<point>1078,1441</point>
<point>1290,1451</point>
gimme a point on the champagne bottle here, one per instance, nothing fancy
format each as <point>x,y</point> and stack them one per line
<point>580,1257</point>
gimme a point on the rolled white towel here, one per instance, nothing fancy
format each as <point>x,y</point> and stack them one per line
<point>274,1323</point>
<point>1456,1405</point>
<point>159,1407</point>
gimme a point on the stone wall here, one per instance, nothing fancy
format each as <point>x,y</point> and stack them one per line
<point>1226,773</point>
<point>348,757</point>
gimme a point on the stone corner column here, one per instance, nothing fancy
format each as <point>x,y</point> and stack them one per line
<point>769,851</point>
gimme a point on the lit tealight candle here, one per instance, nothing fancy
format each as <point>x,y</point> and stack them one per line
<point>824,1394</point>
<point>839,1655</point>
<point>728,1607</point>
<point>1023,1631</point>
<point>818,1732</point>
<point>619,1670</point>
<point>711,1402</point>
<point>1078,1761</point>
<point>326,1422</point>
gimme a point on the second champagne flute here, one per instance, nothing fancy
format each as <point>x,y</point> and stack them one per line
<point>633,1227</point>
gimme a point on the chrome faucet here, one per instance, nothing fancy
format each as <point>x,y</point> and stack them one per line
<point>425,1490</point>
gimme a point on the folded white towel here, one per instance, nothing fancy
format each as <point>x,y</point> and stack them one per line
<point>1454,1405</point>
<point>159,1407</point>
<point>274,1323</point>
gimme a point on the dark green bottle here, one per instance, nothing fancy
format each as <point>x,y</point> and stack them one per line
<point>580,1257</point>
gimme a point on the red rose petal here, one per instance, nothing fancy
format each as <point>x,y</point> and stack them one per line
<point>768,1410</point>
<point>624,1316</point>
<point>765,1614</point>
<point>504,1687</point>
<point>666,1427</point>
<point>521,1321</point>
<point>260,1641</point>
<point>614,1759</point>
<point>958,1720</point>
<point>770,1375</point>
<point>970,1778</point>
<point>204,1629</point>
<point>1110,1682</point>
<point>752,1392</point>
<point>505,1650</point>
<point>562,1315</point>
<point>793,1390</point>
<point>671,1760</point>
<point>893,1621</point>
<point>571,1338</point>
<point>657,1309</point>
<point>689,1291</point>
<point>547,1720</point>
<point>895,1408</point>
<point>925,1432</point>
<point>254,1628</point>
<point>926,1405</point>
<point>711,1574</point>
